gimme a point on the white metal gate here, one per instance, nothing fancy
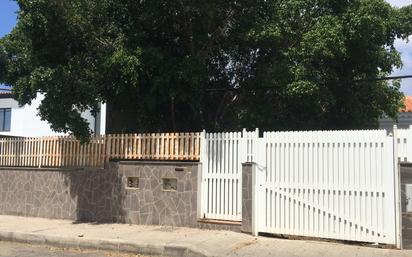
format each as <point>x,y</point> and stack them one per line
<point>328,184</point>
<point>222,155</point>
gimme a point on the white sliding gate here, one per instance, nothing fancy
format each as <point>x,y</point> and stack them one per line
<point>328,184</point>
<point>222,155</point>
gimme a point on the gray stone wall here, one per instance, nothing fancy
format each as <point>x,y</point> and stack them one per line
<point>77,194</point>
<point>150,204</point>
<point>101,195</point>
<point>247,169</point>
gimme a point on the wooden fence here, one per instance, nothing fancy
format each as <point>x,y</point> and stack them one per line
<point>66,151</point>
<point>161,146</point>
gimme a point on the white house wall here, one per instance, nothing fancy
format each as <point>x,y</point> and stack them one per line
<point>25,121</point>
<point>102,119</point>
<point>8,103</point>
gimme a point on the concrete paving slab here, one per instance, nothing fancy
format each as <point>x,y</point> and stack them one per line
<point>156,240</point>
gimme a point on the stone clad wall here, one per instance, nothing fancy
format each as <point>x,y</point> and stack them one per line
<point>101,194</point>
<point>151,204</point>
<point>76,194</point>
<point>247,173</point>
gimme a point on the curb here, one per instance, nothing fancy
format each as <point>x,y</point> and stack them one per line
<point>172,250</point>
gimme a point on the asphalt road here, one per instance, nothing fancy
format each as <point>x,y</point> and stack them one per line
<point>10,249</point>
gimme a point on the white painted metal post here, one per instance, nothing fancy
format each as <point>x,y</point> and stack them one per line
<point>201,190</point>
<point>396,170</point>
<point>200,193</point>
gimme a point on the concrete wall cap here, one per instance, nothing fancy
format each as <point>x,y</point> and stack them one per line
<point>163,163</point>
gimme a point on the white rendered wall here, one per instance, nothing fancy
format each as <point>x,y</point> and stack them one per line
<point>25,121</point>
<point>102,120</point>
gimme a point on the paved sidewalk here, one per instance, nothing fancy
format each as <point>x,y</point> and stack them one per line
<point>155,240</point>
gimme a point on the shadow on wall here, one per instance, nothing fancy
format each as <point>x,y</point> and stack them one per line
<point>98,194</point>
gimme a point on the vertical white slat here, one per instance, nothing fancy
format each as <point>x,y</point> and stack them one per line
<point>397,191</point>
<point>219,175</point>
<point>228,174</point>
<point>231,173</point>
<point>208,172</point>
<point>214,178</point>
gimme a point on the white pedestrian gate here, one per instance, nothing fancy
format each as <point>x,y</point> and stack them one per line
<point>222,155</point>
<point>328,184</point>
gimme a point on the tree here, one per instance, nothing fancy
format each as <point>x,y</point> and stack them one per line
<point>186,65</point>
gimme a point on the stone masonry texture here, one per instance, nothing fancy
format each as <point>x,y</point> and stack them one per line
<point>101,195</point>
<point>247,169</point>
<point>150,204</point>
<point>76,194</point>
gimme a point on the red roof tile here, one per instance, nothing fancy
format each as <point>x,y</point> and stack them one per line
<point>5,94</point>
<point>408,104</point>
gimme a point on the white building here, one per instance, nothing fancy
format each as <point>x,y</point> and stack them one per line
<point>23,121</point>
<point>404,117</point>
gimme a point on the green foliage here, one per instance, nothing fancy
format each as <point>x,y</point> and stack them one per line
<point>156,62</point>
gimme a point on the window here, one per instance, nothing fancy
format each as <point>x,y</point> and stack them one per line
<point>5,119</point>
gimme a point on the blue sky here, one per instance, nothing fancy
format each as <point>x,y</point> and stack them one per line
<point>8,17</point>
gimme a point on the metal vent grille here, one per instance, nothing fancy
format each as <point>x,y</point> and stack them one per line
<point>133,182</point>
<point>170,184</point>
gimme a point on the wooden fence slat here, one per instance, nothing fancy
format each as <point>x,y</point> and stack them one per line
<point>108,147</point>
<point>135,145</point>
<point>9,152</point>
<point>66,151</point>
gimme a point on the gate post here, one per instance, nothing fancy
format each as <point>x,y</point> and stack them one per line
<point>396,170</point>
<point>250,198</point>
<point>200,189</point>
<point>247,196</point>
<point>259,180</point>
<point>255,201</point>
<point>252,182</point>
<point>201,201</point>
